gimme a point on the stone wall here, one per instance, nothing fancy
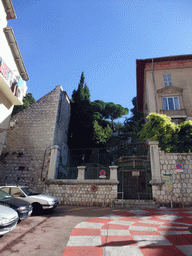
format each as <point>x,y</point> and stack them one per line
<point>87,193</point>
<point>169,184</point>
<point>28,146</point>
<point>84,192</point>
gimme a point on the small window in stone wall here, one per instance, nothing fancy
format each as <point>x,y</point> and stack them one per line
<point>21,168</point>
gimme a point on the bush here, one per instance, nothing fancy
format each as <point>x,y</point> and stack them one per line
<point>171,137</point>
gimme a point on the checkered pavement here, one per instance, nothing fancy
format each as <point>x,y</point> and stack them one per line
<point>148,232</point>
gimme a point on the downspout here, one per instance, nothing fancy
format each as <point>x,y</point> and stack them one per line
<point>154,86</point>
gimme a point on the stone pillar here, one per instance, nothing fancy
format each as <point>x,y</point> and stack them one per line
<point>81,172</point>
<point>54,162</point>
<point>155,165</point>
<point>113,172</point>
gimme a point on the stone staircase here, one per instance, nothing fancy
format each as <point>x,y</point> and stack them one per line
<point>135,204</point>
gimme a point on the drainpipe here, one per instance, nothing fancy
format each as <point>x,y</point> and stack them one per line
<point>154,86</point>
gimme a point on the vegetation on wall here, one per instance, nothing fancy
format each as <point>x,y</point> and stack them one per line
<point>171,137</point>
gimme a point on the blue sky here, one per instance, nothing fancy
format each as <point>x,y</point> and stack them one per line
<point>59,39</point>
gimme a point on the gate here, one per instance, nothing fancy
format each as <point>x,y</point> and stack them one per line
<point>134,174</point>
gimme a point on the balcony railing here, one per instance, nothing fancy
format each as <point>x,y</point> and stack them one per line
<point>12,86</point>
<point>176,113</point>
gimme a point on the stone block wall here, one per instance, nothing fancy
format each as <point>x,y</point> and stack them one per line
<point>27,153</point>
<point>86,193</point>
<point>178,185</point>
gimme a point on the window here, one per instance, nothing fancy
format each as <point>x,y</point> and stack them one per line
<point>5,189</point>
<point>167,80</point>
<point>171,103</point>
<point>16,192</point>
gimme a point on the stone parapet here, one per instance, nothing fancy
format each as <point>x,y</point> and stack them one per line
<point>84,193</point>
<point>74,182</point>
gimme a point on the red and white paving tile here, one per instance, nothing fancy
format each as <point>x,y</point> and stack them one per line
<point>148,232</point>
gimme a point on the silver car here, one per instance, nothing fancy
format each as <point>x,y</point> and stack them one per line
<point>8,219</point>
<point>38,200</point>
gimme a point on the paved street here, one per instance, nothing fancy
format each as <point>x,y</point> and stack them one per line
<point>79,231</point>
<point>48,234</point>
<point>135,232</point>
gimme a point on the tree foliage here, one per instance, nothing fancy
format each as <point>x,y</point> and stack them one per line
<point>171,137</point>
<point>89,124</point>
<point>184,139</point>
<point>109,110</point>
<point>82,93</point>
<point>113,111</point>
<point>81,122</point>
<point>27,101</point>
<point>134,124</point>
<point>101,134</point>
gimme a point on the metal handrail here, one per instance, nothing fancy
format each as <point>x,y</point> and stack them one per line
<point>122,196</point>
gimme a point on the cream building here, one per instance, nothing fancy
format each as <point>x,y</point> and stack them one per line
<point>12,70</point>
<point>164,85</point>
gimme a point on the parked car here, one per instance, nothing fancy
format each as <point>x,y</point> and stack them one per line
<point>8,219</point>
<point>23,208</point>
<point>38,200</point>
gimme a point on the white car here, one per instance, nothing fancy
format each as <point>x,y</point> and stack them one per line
<point>38,200</point>
<point>8,219</point>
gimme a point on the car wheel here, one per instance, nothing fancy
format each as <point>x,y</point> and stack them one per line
<point>37,208</point>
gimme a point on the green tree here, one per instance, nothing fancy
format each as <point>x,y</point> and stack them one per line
<point>101,134</point>
<point>109,110</point>
<point>89,124</point>
<point>113,111</point>
<point>86,93</point>
<point>160,128</point>
<point>134,124</point>
<point>184,139</point>
<point>27,101</point>
<point>82,93</point>
<point>81,122</point>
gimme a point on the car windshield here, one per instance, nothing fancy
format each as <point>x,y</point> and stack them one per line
<point>29,192</point>
<point>4,195</point>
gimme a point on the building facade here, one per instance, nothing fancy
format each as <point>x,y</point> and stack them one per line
<point>36,148</point>
<point>164,85</point>
<point>12,70</point>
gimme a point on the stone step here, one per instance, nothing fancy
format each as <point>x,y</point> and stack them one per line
<point>135,203</point>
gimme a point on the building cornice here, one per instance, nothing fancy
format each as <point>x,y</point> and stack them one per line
<point>170,88</point>
<point>16,52</point>
<point>8,6</point>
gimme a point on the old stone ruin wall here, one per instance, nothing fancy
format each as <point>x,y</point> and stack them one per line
<point>40,127</point>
